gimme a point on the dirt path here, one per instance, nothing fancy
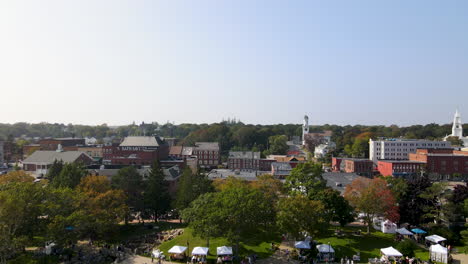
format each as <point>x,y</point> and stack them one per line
<point>279,257</point>
<point>460,258</point>
<point>141,260</point>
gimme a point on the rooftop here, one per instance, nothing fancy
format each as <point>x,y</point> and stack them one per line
<point>175,150</point>
<point>281,166</point>
<point>250,175</point>
<point>207,145</point>
<point>339,180</point>
<point>141,141</point>
<point>403,161</point>
<point>244,155</point>
<point>43,156</point>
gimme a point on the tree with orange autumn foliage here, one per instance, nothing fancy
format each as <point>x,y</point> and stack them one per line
<point>372,197</point>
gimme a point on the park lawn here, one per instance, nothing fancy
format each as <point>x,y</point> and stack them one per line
<point>130,231</point>
<point>259,246</point>
<point>28,258</point>
<point>368,245</point>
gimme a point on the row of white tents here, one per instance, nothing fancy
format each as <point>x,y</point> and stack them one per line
<point>201,251</point>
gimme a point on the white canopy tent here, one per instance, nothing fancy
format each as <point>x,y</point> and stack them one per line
<point>177,250</point>
<point>405,232</point>
<point>157,253</point>
<point>326,252</point>
<point>203,251</point>
<point>435,239</point>
<point>302,244</point>
<point>220,251</point>
<point>324,248</point>
<point>388,227</point>
<point>438,253</point>
<point>391,252</point>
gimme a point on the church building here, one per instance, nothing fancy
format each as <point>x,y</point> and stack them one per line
<point>457,129</point>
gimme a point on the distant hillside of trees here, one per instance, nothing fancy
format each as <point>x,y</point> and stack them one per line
<point>230,134</point>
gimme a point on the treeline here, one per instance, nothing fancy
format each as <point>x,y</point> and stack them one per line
<point>232,134</point>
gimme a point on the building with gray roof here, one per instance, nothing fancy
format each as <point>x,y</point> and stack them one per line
<point>40,161</point>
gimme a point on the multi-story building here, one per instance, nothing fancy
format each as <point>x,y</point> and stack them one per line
<point>52,143</point>
<point>136,150</point>
<point>292,160</point>
<point>362,167</point>
<point>244,160</point>
<point>208,154</point>
<point>442,161</point>
<point>281,170</point>
<point>398,149</point>
<point>400,168</point>
<point>2,159</point>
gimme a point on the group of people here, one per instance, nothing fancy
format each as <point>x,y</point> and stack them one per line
<point>197,259</point>
<point>225,258</point>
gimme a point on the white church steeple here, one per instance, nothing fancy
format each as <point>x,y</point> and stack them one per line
<point>457,129</point>
<point>305,128</point>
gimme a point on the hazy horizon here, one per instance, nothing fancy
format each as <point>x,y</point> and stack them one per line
<point>263,62</point>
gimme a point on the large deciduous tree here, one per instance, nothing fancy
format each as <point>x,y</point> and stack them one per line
<point>101,208</point>
<point>239,210</point>
<point>373,198</point>
<point>130,181</point>
<point>306,178</point>
<point>191,185</point>
<point>204,216</point>
<point>336,207</point>
<point>20,207</point>
<point>298,214</point>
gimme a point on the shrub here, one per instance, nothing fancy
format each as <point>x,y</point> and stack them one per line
<point>407,247</point>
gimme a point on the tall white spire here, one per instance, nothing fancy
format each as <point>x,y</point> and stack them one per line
<point>305,128</point>
<point>457,129</point>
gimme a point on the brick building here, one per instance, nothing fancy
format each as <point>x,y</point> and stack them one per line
<point>292,160</point>
<point>400,168</point>
<point>359,166</point>
<point>136,150</point>
<point>52,143</point>
<point>442,161</point>
<point>208,154</point>
<point>244,160</point>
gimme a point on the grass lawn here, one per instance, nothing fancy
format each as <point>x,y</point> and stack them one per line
<point>259,246</point>
<point>29,259</point>
<point>368,245</point>
<point>130,231</point>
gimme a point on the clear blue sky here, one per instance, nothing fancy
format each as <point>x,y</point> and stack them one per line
<point>340,62</point>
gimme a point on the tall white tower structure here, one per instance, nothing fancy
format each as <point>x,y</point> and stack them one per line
<point>457,129</point>
<point>305,128</point>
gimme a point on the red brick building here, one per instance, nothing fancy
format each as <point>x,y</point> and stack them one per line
<point>136,150</point>
<point>243,160</point>
<point>52,143</point>
<point>399,168</point>
<point>349,165</point>
<point>442,161</point>
<point>208,154</point>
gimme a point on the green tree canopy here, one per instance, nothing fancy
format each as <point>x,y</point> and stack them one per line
<point>298,214</point>
<point>306,178</point>
<point>129,180</point>
<point>156,195</point>
<point>70,175</point>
